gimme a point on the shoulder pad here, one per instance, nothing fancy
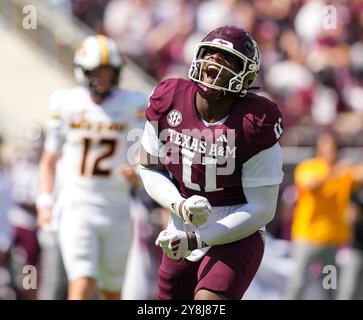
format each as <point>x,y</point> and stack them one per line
<point>57,103</point>
<point>161,99</point>
<point>262,124</point>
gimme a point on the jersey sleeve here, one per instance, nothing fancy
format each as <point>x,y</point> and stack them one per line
<point>264,168</point>
<point>161,99</point>
<point>151,142</point>
<point>56,124</point>
<point>263,127</point>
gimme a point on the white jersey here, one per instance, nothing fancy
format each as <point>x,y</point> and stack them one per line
<point>92,141</point>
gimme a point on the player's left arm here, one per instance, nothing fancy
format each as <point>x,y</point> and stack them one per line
<point>262,175</point>
<point>246,220</point>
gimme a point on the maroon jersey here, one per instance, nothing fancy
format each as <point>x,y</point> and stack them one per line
<point>208,160</point>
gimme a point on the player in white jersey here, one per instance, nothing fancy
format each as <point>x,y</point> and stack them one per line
<point>88,126</point>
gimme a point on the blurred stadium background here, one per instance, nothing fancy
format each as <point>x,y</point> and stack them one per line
<point>312,67</point>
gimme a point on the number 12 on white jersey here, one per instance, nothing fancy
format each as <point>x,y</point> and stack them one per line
<point>93,167</point>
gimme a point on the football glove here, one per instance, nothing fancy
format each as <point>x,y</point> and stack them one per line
<point>194,211</point>
<point>174,243</point>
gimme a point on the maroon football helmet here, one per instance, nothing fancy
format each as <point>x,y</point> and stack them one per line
<point>235,41</point>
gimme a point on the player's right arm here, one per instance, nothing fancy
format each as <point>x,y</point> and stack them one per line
<point>194,210</point>
<point>154,176</point>
<point>48,162</point>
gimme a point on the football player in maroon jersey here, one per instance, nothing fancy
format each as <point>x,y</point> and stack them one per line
<point>210,154</point>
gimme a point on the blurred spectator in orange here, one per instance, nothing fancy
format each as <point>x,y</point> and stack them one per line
<point>320,222</point>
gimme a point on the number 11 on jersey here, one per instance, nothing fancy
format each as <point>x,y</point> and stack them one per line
<point>210,165</point>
